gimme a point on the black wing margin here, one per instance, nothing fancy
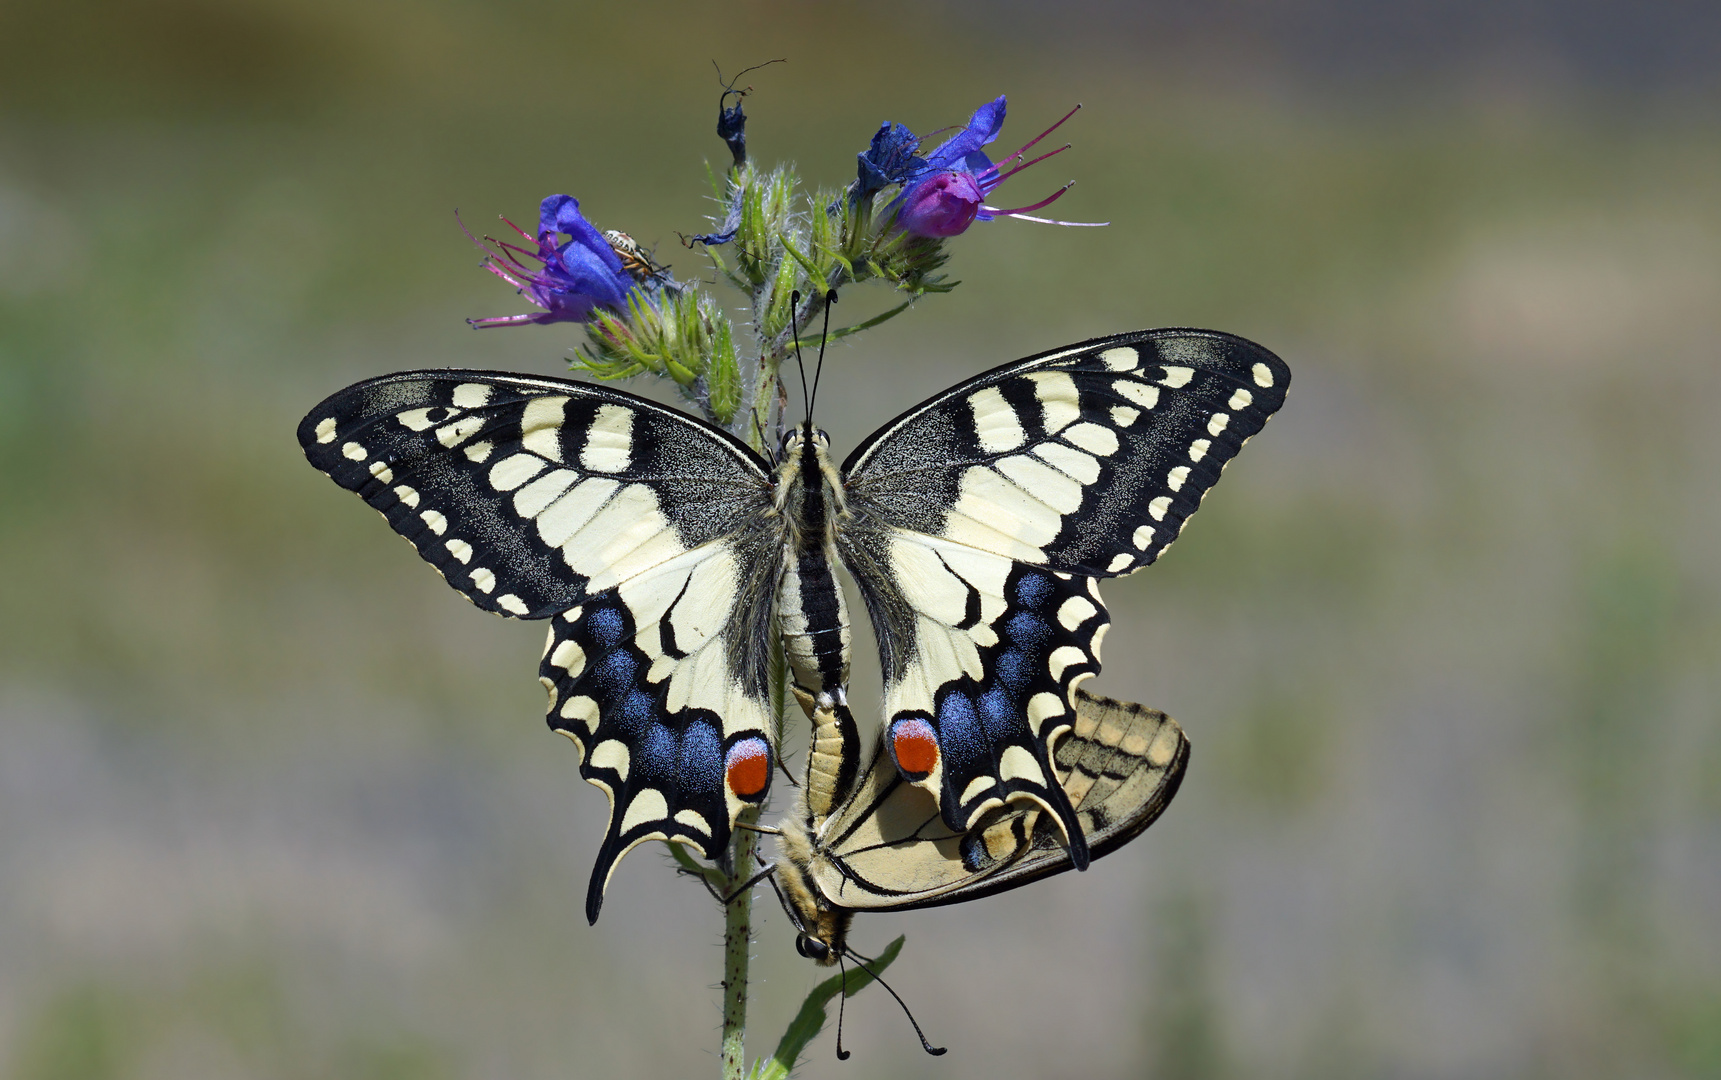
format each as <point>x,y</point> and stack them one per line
<point>504,483</point>
<point>1086,460</point>
<point>637,526</point>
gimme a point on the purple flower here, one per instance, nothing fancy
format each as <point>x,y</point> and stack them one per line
<point>569,279</point>
<point>946,192</point>
<point>890,159</point>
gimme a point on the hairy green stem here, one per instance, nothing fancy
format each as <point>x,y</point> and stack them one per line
<point>737,948</point>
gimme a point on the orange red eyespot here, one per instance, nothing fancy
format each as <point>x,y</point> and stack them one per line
<point>747,768</point>
<point>915,746</point>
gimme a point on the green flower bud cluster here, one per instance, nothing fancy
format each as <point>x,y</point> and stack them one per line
<point>776,240</point>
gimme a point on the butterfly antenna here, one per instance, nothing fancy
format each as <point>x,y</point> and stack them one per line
<point>842,996</point>
<point>860,962</point>
<point>764,444</point>
<point>824,337</point>
<point>795,304</point>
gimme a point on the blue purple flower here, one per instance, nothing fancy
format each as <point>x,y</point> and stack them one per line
<point>890,158</point>
<point>945,192</point>
<point>569,279</point>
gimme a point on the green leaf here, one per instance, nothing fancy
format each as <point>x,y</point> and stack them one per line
<point>813,274</point>
<point>811,1019</point>
<point>874,321</point>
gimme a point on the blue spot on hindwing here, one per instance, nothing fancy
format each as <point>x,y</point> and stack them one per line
<point>1032,590</point>
<point>1014,670</point>
<point>615,673</point>
<point>1026,629</point>
<point>654,754</point>
<point>701,758</point>
<point>1000,714</point>
<point>607,626</point>
<point>959,732</point>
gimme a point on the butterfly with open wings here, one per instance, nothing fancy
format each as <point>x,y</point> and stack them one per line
<point>671,560</point>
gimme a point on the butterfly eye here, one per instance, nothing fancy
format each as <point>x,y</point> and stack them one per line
<point>811,947</point>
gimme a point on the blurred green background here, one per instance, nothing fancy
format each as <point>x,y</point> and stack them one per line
<point>275,803</point>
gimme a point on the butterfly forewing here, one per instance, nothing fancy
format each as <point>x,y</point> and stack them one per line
<point>1085,460</point>
<point>888,847</point>
<point>636,526</point>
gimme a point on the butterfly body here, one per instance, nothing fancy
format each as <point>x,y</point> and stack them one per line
<point>670,561</point>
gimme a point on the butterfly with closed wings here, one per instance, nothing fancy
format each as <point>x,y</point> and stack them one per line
<point>671,560</point>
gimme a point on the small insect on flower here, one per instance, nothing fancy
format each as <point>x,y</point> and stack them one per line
<point>571,278</point>
<point>945,192</point>
<point>634,259</point>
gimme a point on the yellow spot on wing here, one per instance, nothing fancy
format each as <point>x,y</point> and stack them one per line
<point>541,426</point>
<point>1074,612</point>
<point>1062,658</point>
<point>977,787</point>
<point>648,806</point>
<point>1142,394</point>
<point>609,754</point>
<point>1122,358</point>
<point>1093,438</point>
<point>1060,402</point>
<point>1017,763</point>
<point>471,395</point>
<point>609,441</point>
<point>996,424</point>
<point>514,470</point>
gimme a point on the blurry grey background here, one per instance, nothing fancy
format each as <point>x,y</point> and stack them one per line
<point>276,803</point>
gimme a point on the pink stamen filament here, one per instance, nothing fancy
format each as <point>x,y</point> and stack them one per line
<point>1053,153</point>
<point>1049,200</point>
<point>1041,135</point>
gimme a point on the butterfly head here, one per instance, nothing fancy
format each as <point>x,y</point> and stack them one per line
<point>802,438</point>
<point>821,930</point>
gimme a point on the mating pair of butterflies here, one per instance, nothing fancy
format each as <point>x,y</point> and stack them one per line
<point>676,566</point>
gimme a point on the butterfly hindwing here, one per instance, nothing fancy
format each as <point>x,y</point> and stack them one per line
<point>981,517</point>
<point>983,656</point>
<point>889,846</point>
<point>636,527</point>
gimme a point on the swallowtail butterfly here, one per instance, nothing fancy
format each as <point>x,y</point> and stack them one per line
<point>670,560</point>
<point>888,847</point>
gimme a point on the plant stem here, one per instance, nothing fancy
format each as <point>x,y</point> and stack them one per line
<point>737,948</point>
